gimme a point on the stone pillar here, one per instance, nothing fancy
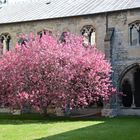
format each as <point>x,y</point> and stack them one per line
<point>108,43</point>
<point>110,108</point>
<point>4,46</point>
<point>108,50</point>
<point>1,48</point>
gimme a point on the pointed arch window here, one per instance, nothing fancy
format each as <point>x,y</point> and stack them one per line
<point>63,36</point>
<point>44,31</point>
<point>22,41</point>
<point>89,35</point>
<point>134,29</point>
<point>6,42</point>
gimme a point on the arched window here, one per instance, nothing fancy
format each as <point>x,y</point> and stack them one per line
<point>44,32</point>
<point>89,35</point>
<point>134,29</point>
<point>62,37</point>
<point>6,44</point>
<point>22,41</point>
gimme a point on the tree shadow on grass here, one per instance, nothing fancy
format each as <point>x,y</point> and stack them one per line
<point>110,129</point>
<point>37,118</point>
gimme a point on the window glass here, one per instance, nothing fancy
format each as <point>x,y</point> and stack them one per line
<point>89,35</point>
<point>5,43</point>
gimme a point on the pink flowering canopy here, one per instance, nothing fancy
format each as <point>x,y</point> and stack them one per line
<point>44,71</point>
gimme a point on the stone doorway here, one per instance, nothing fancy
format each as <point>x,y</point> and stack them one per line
<point>137,87</point>
<point>127,98</point>
<point>130,86</point>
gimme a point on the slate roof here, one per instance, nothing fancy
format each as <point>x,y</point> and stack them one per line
<point>49,9</point>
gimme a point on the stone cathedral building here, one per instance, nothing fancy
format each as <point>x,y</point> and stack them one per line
<point>114,25</point>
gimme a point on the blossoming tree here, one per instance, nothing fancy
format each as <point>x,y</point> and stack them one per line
<point>44,71</point>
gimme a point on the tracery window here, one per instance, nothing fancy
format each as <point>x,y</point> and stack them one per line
<point>22,41</point>
<point>5,43</point>
<point>89,35</point>
<point>134,33</point>
<point>44,31</point>
<point>63,36</point>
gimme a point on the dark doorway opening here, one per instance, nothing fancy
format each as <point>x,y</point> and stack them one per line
<point>127,98</point>
<point>137,87</point>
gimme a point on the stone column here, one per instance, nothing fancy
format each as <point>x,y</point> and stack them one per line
<point>110,108</point>
<point>108,43</point>
<point>4,46</point>
<point>108,51</point>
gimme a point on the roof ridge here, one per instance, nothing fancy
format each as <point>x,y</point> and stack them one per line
<point>30,11</point>
<point>27,1</point>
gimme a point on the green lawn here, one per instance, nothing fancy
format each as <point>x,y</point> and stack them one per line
<point>19,128</point>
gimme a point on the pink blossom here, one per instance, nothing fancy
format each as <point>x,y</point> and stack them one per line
<point>47,72</point>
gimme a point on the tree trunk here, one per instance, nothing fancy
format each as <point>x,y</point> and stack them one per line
<point>45,111</point>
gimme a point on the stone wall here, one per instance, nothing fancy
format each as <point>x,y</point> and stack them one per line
<point>122,54</point>
<point>72,24</point>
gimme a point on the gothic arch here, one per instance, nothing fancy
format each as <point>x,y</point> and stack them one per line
<point>5,35</point>
<point>89,35</point>
<point>129,85</point>
<point>134,22</point>
<point>5,40</point>
<point>134,33</point>
<point>44,31</point>
<point>62,37</point>
<point>125,71</point>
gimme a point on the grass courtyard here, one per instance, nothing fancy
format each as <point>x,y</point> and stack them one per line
<point>25,128</point>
